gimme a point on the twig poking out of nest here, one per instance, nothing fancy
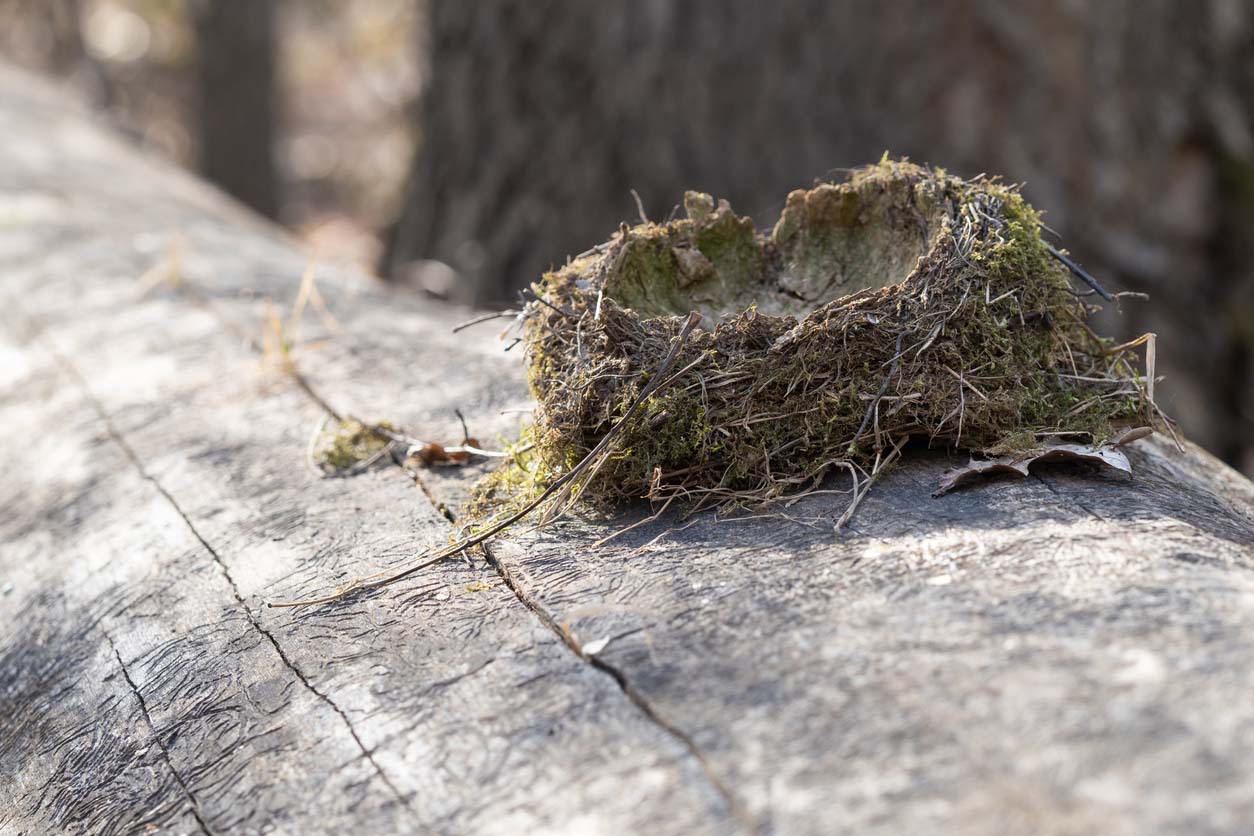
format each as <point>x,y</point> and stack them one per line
<point>902,302</point>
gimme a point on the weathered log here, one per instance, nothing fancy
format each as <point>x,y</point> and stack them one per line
<point>1067,653</point>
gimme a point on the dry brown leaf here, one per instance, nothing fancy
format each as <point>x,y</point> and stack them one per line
<point>1108,454</point>
<point>434,454</point>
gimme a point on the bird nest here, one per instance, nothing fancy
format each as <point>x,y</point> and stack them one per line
<point>902,303</point>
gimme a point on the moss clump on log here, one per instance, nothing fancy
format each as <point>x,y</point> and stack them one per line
<point>351,445</point>
<point>900,302</point>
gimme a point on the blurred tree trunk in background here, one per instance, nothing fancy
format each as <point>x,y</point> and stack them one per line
<point>235,43</point>
<point>1130,121</point>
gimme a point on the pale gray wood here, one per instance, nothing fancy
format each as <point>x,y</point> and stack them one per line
<point>156,492</point>
<point>1066,654</point>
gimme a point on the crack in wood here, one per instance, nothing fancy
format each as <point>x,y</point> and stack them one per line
<point>637,699</point>
<point>117,438</point>
<point>165,753</point>
<point>620,678</point>
<point>441,508</point>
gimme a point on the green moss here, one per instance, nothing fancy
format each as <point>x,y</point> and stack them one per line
<point>646,274</point>
<point>351,444</point>
<point>901,301</point>
<point>867,232</point>
<point>709,261</point>
<point>730,244</point>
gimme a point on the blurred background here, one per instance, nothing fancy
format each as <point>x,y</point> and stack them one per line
<point>460,148</point>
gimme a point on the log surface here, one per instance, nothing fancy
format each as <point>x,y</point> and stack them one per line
<point>1069,653</point>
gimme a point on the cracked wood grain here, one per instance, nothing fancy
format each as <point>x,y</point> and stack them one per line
<point>754,639</point>
<point>171,500</point>
<point>213,694</point>
<point>1051,654</point>
<point>624,684</point>
<point>546,618</point>
<point>165,755</point>
<point>827,678</point>
<point>68,367</point>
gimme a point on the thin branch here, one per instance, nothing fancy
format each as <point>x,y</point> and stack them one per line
<point>866,486</point>
<point>599,543</point>
<point>1079,271</point>
<point>536,296</point>
<point>870,410</point>
<point>487,317</point>
<point>465,429</point>
<point>644,219</point>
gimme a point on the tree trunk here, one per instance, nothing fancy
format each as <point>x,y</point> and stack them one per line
<point>236,77</point>
<point>1129,122</point>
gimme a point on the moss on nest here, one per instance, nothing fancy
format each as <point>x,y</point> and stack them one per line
<point>899,302</point>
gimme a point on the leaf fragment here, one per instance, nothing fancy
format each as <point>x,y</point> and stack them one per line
<point>1107,454</point>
